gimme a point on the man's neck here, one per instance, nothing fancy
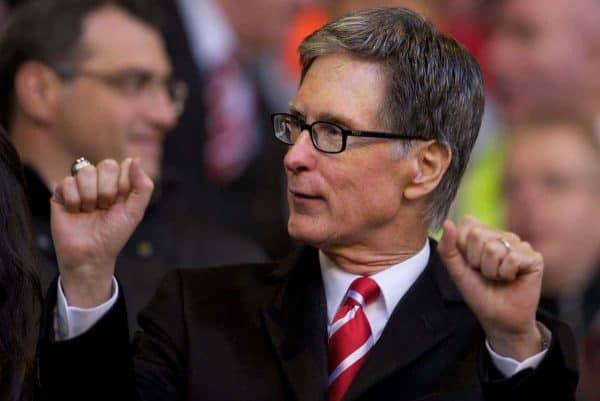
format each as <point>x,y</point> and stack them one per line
<point>38,148</point>
<point>367,259</point>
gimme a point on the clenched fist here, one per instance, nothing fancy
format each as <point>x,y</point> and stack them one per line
<point>500,278</point>
<point>93,215</point>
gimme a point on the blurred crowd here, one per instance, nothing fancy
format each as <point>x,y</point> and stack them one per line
<point>188,87</point>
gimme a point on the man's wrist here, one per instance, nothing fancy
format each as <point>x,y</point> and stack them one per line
<point>520,346</point>
<point>71,321</point>
<point>87,290</point>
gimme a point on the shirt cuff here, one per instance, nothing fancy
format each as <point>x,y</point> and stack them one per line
<point>509,366</point>
<point>70,321</point>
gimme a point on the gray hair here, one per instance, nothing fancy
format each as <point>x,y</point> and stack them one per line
<point>435,85</point>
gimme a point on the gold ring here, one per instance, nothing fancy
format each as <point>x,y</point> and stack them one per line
<point>78,164</point>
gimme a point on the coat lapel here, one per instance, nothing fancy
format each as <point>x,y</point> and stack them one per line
<point>297,324</point>
<point>418,323</point>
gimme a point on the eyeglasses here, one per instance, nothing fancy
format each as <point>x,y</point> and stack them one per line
<point>326,137</point>
<point>136,84</point>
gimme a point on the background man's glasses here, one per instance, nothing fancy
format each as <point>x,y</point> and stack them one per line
<point>326,137</point>
<point>136,84</point>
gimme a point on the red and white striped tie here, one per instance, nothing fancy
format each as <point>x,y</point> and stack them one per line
<point>350,337</point>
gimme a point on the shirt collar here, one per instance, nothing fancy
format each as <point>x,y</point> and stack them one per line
<point>393,282</point>
<point>213,40</point>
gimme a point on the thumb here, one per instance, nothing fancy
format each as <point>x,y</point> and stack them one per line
<point>141,190</point>
<point>449,251</point>
<point>56,208</point>
<point>448,246</point>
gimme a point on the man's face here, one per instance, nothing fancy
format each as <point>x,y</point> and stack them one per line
<point>553,199</point>
<point>354,197</point>
<point>538,56</point>
<point>99,120</point>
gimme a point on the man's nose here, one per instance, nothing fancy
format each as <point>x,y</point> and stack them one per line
<point>162,111</point>
<point>302,154</point>
<point>528,198</point>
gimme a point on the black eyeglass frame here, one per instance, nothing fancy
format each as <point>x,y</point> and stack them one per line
<point>345,133</point>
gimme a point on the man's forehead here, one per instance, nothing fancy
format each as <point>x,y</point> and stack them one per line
<point>342,89</point>
<point>113,38</point>
<point>342,65</point>
<point>558,146</point>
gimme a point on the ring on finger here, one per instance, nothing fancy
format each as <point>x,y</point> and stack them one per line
<point>506,244</point>
<point>78,164</point>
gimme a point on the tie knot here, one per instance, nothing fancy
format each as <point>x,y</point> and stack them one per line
<point>362,291</point>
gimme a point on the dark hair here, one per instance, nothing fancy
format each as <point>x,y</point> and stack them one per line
<point>20,292</point>
<point>49,31</point>
<point>435,86</point>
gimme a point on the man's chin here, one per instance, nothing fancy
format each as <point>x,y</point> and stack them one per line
<point>303,231</point>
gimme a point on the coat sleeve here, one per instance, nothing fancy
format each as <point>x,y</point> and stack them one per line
<point>102,364</point>
<point>555,378</point>
<point>95,365</point>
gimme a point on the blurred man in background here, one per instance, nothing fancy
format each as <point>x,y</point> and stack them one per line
<point>223,139</point>
<point>552,188</point>
<point>92,78</point>
<point>543,60</point>
<point>546,58</point>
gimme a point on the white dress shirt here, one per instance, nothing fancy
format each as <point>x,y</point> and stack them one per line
<point>394,282</point>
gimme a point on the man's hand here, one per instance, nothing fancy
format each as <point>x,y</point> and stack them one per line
<point>93,216</point>
<point>500,284</point>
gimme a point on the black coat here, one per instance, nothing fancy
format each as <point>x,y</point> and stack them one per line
<point>258,332</point>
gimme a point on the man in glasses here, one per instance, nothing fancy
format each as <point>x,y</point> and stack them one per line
<point>91,78</point>
<point>379,133</point>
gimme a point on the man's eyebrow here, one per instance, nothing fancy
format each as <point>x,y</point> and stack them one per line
<point>294,111</point>
<point>326,117</point>
<point>135,70</point>
<point>336,119</point>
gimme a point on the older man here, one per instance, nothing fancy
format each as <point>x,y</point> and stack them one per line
<point>379,131</point>
<point>92,78</point>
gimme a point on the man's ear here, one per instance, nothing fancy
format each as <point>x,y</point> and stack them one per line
<point>430,163</point>
<point>36,92</point>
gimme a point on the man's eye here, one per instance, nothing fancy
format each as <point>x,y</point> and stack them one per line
<point>134,83</point>
<point>328,129</point>
<point>294,124</point>
<point>556,183</point>
<point>288,126</point>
